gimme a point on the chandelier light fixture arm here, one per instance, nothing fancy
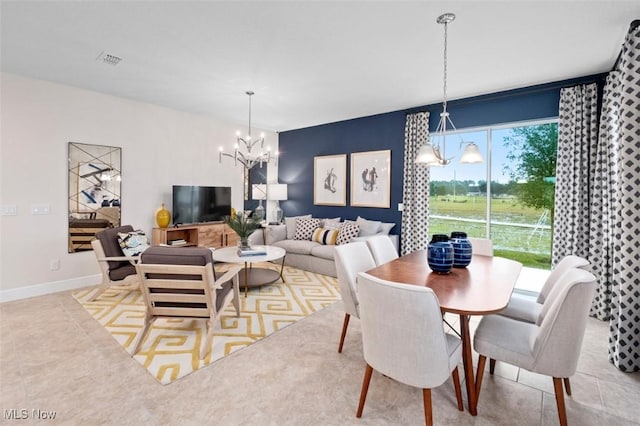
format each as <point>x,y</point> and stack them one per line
<point>432,153</point>
<point>242,148</point>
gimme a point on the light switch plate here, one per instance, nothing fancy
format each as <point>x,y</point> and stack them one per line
<point>9,210</point>
<point>400,207</point>
<point>39,208</point>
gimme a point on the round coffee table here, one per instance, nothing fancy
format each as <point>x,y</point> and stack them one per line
<point>253,276</point>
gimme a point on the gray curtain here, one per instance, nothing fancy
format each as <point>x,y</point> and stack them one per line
<point>415,192</point>
<point>597,210</point>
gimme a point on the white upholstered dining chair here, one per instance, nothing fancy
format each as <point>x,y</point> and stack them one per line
<point>350,259</point>
<point>527,309</point>
<point>550,347</point>
<point>382,249</point>
<point>403,338</point>
<point>481,246</point>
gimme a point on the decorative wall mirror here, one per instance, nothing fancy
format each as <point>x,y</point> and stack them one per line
<point>94,192</point>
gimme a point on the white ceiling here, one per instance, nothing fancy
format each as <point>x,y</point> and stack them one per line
<point>308,62</point>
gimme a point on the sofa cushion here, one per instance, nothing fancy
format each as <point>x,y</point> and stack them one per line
<point>290,223</point>
<point>348,231</point>
<point>275,233</point>
<point>324,252</point>
<point>325,236</point>
<point>305,228</point>
<point>332,223</point>
<point>385,228</point>
<point>368,227</point>
<point>297,246</point>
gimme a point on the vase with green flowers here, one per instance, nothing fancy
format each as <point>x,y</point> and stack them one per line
<point>243,226</point>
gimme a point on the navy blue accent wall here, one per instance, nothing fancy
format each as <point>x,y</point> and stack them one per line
<point>386,131</point>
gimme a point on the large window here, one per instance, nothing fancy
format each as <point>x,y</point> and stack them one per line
<point>508,198</point>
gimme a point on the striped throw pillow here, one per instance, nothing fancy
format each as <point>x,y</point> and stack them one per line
<point>324,236</point>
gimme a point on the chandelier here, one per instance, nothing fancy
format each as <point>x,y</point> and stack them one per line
<point>433,153</point>
<point>242,150</point>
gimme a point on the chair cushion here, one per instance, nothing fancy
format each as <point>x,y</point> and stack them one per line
<point>122,272</point>
<point>506,339</point>
<point>522,309</point>
<point>109,240</point>
<point>177,255</point>
<point>196,256</point>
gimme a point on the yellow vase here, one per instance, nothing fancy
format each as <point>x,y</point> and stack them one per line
<point>163,217</point>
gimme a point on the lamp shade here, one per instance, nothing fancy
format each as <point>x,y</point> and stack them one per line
<point>278,191</point>
<point>471,154</point>
<point>259,191</point>
<point>427,155</point>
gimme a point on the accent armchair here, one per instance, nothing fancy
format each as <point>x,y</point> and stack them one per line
<point>184,290</point>
<point>117,269</point>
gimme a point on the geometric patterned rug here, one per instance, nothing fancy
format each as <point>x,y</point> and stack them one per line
<point>172,347</point>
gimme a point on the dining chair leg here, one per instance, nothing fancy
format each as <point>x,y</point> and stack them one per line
<point>428,411</point>
<point>492,365</point>
<point>456,386</point>
<point>482,360</point>
<point>567,386</point>
<point>365,389</point>
<point>345,324</point>
<point>562,412</point>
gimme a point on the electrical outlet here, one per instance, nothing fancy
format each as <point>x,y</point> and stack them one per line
<point>54,265</point>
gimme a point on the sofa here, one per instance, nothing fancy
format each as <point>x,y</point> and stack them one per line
<point>310,243</point>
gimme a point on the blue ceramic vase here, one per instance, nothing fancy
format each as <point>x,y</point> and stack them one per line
<point>461,249</point>
<point>440,254</point>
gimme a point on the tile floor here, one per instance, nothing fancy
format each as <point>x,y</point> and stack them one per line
<point>55,357</point>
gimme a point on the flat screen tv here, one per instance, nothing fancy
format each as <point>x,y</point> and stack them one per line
<point>194,204</point>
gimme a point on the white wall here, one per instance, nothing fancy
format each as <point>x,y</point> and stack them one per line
<point>160,147</point>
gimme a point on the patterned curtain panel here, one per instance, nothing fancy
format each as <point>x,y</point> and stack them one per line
<point>597,208</point>
<point>415,193</point>
<point>577,138</point>
<point>624,338</point>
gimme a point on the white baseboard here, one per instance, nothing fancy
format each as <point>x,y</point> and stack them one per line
<point>48,288</point>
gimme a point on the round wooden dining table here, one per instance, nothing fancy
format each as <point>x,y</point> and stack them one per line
<point>484,287</point>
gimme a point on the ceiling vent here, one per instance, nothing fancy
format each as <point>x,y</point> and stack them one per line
<point>108,59</point>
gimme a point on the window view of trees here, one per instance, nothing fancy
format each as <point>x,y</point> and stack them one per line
<point>509,198</point>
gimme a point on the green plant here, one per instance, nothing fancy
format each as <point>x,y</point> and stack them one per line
<point>242,225</point>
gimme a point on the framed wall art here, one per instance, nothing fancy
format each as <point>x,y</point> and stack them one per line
<point>371,179</point>
<point>330,180</point>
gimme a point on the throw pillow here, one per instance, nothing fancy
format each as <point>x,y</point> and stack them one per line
<point>133,243</point>
<point>327,237</point>
<point>290,223</point>
<point>385,228</point>
<point>368,227</point>
<point>348,231</point>
<point>305,228</point>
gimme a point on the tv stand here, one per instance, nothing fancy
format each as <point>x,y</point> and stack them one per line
<point>210,234</point>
